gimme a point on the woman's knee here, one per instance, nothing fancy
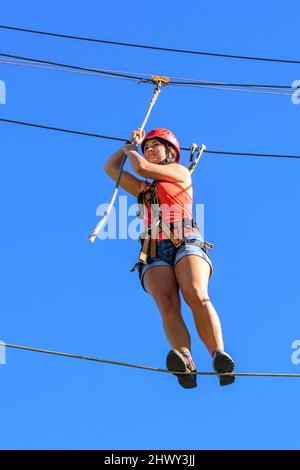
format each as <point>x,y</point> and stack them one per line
<point>195,295</point>
<point>168,303</point>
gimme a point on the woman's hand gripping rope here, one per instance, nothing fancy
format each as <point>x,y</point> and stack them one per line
<point>136,139</point>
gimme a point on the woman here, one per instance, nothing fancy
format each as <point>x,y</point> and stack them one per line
<point>172,257</point>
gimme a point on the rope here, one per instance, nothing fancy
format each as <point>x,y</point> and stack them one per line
<point>74,67</point>
<point>276,90</point>
<point>136,366</point>
<point>23,63</point>
<point>156,92</point>
<point>187,81</point>
<point>157,48</point>
<point>54,68</point>
<point>119,139</point>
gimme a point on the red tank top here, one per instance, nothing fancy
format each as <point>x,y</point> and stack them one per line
<point>175,204</point>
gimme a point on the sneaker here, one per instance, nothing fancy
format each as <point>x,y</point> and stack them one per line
<point>223,363</point>
<point>182,362</point>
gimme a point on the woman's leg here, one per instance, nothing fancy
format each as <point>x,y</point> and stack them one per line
<point>192,274</point>
<point>161,284</point>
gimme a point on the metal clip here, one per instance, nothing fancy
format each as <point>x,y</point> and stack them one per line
<point>161,81</point>
<point>208,245</point>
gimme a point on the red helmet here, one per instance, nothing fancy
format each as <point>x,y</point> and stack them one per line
<point>166,135</point>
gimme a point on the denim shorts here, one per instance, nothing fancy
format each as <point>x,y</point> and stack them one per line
<point>168,255</point>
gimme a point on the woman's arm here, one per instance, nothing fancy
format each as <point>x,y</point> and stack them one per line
<point>172,172</point>
<point>130,183</point>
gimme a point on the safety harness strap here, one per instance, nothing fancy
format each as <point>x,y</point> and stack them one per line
<point>170,234</point>
<point>150,236</point>
<point>144,251</point>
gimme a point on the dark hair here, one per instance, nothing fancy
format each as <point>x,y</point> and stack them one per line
<point>170,152</point>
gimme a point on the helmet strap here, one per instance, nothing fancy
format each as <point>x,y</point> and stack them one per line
<point>166,161</point>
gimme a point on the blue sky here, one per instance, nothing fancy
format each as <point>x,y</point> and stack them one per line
<point>58,292</point>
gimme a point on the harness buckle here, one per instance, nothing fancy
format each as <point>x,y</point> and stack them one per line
<point>208,245</point>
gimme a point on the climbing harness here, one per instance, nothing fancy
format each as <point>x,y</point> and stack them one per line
<point>149,238</point>
<point>159,82</point>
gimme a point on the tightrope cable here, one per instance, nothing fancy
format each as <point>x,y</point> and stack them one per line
<point>136,366</point>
